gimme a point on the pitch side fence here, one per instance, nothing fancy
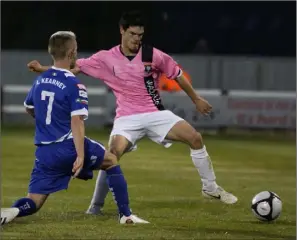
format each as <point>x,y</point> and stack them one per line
<point>244,109</point>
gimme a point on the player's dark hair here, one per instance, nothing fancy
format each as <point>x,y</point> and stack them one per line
<point>59,44</point>
<point>131,19</point>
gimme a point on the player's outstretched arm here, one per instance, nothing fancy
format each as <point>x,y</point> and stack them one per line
<point>187,87</point>
<point>78,132</point>
<point>202,105</point>
<point>35,66</point>
<point>171,69</point>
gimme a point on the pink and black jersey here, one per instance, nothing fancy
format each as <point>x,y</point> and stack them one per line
<point>127,78</point>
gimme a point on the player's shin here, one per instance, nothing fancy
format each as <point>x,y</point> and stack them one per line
<point>101,190</point>
<point>26,206</point>
<point>203,164</point>
<point>118,186</point>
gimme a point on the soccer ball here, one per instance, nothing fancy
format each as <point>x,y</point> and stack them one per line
<point>266,206</point>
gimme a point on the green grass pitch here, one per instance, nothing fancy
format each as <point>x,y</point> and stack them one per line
<point>164,189</point>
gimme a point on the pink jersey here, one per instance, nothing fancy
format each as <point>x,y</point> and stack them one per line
<point>126,78</point>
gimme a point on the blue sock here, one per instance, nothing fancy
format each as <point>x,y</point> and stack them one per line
<point>26,206</point>
<point>118,187</point>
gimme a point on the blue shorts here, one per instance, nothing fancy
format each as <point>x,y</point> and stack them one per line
<point>54,162</point>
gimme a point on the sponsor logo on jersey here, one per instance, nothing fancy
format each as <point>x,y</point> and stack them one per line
<point>81,86</point>
<point>148,69</point>
<point>83,101</point>
<point>83,94</point>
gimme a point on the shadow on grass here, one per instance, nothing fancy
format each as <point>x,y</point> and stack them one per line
<point>278,222</point>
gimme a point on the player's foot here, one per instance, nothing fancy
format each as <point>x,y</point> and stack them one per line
<point>220,194</point>
<point>132,219</point>
<point>8,214</point>
<point>95,210</point>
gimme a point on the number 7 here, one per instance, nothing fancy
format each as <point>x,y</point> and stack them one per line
<point>51,96</point>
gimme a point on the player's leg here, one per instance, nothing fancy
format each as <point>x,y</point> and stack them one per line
<point>166,126</point>
<point>118,145</point>
<point>184,132</point>
<point>30,204</point>
<point>126,131</point>
<point>23,207</point>
<point>118,186</point>
<point>114,178</point>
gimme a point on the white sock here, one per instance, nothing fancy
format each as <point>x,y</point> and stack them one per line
<point>101,189</point>
<point>203,164</point>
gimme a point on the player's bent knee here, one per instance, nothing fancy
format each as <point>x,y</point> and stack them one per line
<point>117,152</point>
<point>196,141</point>
<point>118,145</point>
<point>110,160</point>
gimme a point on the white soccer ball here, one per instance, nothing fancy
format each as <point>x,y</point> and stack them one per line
<point>266,206</point>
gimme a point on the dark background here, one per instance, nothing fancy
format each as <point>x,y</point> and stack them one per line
<point>233,28</point>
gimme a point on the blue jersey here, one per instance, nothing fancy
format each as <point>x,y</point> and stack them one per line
<point>56,95</point>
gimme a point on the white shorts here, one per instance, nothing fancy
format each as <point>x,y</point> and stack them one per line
<point>154,125</point>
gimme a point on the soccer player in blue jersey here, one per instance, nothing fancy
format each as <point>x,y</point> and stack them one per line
<point>59,104</point>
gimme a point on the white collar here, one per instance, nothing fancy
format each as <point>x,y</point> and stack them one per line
<point>62,69</point>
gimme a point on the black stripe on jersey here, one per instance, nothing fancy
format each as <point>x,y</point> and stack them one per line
<point>147,58</point>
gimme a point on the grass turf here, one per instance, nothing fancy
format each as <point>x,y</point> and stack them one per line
<point>164,189</point>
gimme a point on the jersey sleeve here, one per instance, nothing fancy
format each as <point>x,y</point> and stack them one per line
<point>166,64</point>
<point>93,66</point>
<point>78,98</point>
<point>29,103</point>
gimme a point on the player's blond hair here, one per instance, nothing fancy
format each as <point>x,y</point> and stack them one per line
<point>59,44</point>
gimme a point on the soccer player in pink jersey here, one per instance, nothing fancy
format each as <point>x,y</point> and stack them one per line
<point>139,110</point>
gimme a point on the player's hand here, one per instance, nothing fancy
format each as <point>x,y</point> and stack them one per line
<point>77,166</point>
<point>34,66</point>
<point>203,106</point>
